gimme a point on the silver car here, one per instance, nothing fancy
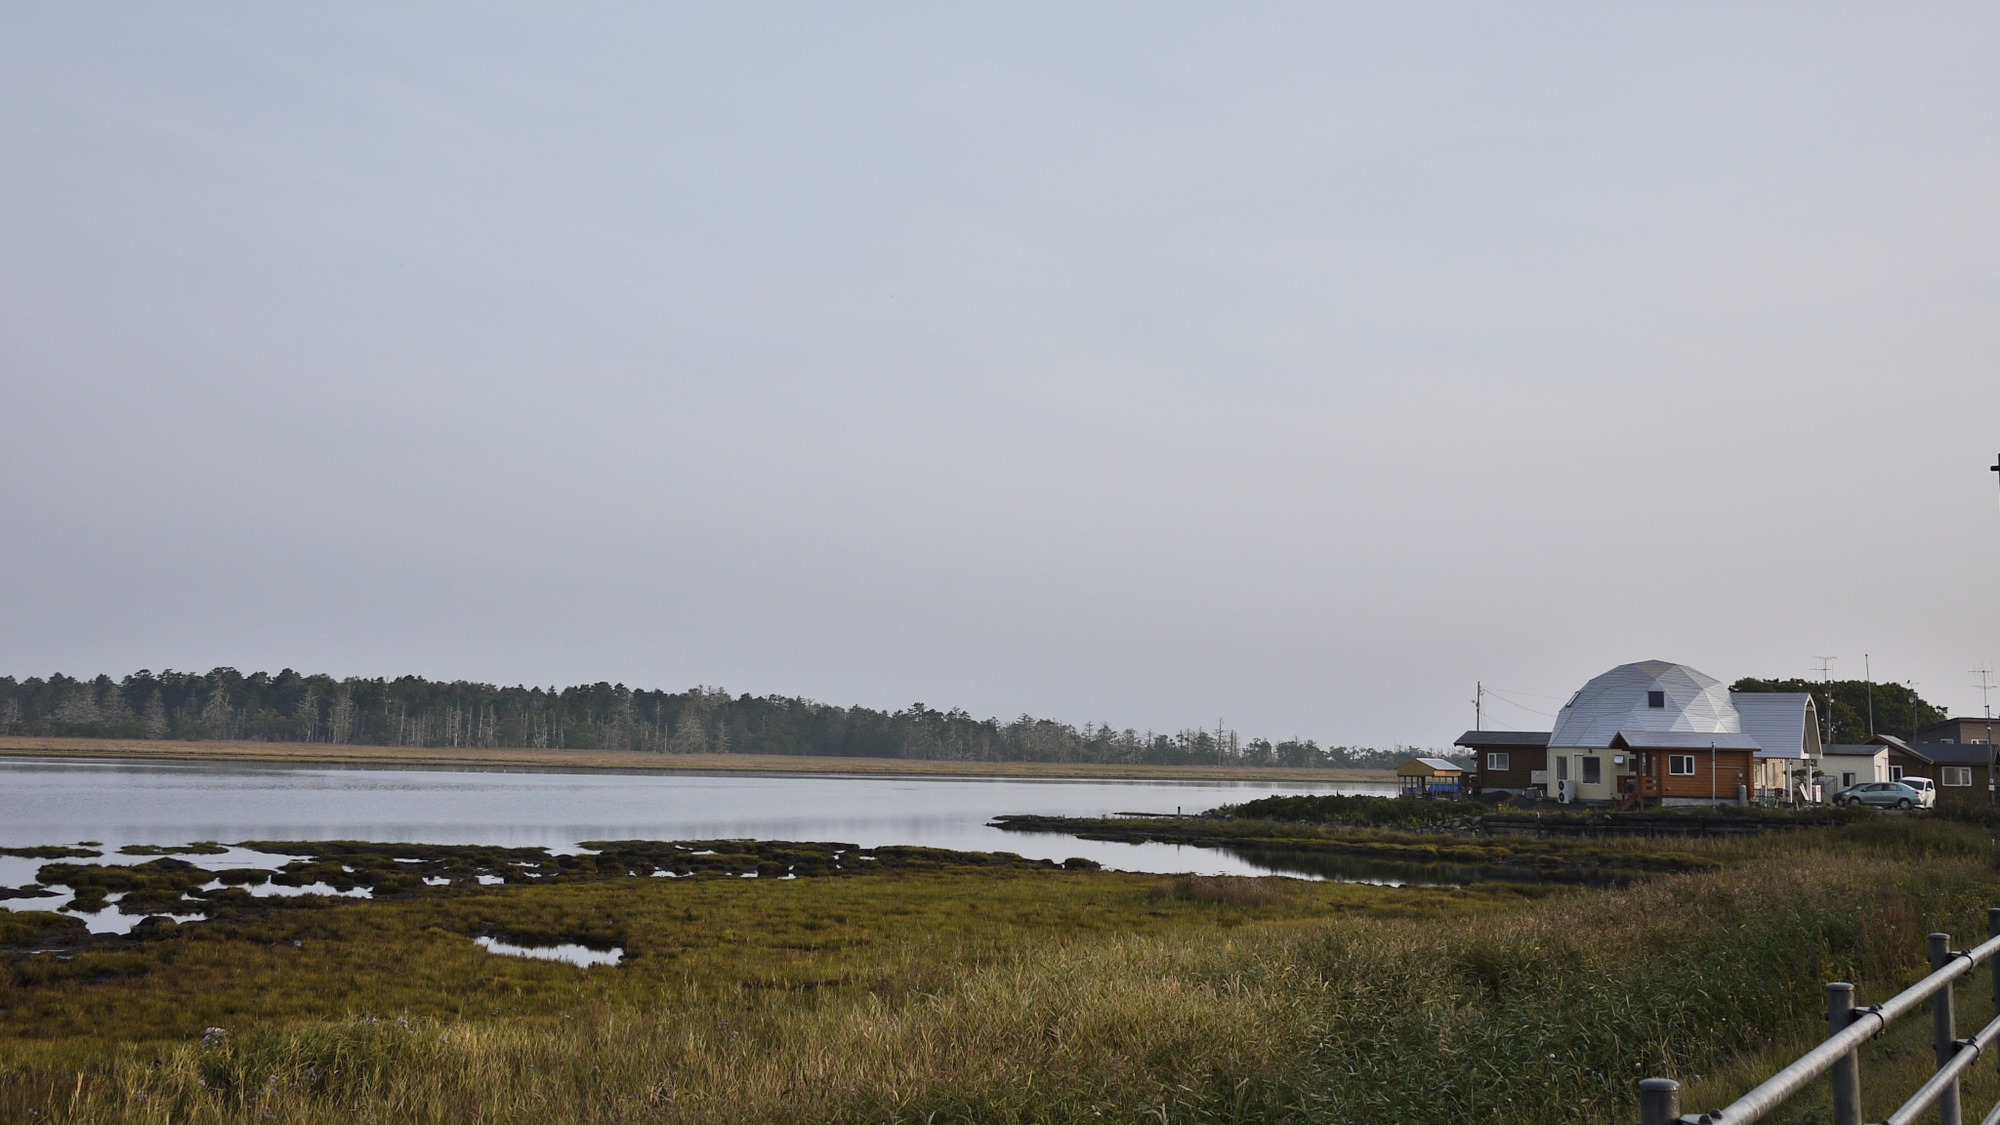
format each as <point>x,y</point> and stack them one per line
<point>1881,794</point>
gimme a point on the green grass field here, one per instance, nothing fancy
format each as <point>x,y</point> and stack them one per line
<point>964,993</point>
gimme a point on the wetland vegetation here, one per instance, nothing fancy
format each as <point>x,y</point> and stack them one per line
<point>920,985</point>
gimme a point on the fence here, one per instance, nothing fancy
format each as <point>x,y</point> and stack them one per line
<point>1642,824</point>
<point>1848,1028</point>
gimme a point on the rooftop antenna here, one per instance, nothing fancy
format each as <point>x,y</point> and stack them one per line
<point>1826,679</point>
<point>1985,689</point>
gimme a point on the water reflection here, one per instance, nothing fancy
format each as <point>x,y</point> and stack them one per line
<point>47,800</point>
<point>1390,873</point>
<point>582,957</point>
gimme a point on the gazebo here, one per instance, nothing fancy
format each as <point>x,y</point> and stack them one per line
<point>1430,777</point>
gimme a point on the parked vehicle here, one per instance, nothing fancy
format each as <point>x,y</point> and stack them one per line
<point>1926,787</point>
<point>1883,794</point>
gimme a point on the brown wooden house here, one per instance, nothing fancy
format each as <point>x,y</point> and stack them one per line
<point>1962,772</point>
<point>1506,761</point>
<point>1676,766</point>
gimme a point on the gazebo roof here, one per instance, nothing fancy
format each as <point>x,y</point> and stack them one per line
<point>1428,767</point>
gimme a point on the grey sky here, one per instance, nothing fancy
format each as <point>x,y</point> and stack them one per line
<point>1295,365</point>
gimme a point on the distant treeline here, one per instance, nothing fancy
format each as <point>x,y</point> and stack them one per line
<point>413,711</point>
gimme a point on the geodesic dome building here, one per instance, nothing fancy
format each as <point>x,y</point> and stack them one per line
<point>1660,731</point>
<point>1651,696</point>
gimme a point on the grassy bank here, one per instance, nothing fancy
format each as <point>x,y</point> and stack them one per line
<point>998,994</point>
<point>1524,857</point>
<point>310,753</point>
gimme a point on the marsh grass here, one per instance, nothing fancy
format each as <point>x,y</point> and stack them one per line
<point>1012,996</point>
<point>1232,890</point>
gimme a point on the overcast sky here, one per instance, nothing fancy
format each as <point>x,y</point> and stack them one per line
<point>1294,365</point>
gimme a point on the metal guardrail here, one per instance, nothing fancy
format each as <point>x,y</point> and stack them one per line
<point>1848,1028</point>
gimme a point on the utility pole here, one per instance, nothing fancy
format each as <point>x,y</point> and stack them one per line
<point>1986,703</point>
<point>1478,705</point>
<point>1868,674</point>
<point>1826,680</point>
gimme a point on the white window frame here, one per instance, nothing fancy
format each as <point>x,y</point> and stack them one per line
<point>1895,773</point>
<point>1496,760</point>
<point>1955,775</point>
<point>1674,762</point>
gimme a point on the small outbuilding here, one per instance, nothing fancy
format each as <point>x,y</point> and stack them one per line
<point>1431,777</point>
<point>1850,764</point>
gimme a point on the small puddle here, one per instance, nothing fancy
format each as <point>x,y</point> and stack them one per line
<point>580,956</point>
<point>110,921</point>
<point>281,890</point>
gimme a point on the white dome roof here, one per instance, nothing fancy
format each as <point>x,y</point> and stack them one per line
<point>1619,700</point>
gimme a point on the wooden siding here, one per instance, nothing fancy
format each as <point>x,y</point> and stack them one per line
<point>1522,761</point>
<point>1974,794</point>
<point>1732,768</point>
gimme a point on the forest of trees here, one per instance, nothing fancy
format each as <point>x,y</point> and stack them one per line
<point>413,711</point>
<point>1897,710</point>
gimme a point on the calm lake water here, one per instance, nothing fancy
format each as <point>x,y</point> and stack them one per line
<point>63,801</point>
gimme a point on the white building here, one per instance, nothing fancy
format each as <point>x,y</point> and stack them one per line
<point>1849,765</point>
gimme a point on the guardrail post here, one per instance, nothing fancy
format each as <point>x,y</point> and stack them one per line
<point>1943,1031</point>
<point>1993,930</point>
<point>1846,1073</point>
<point>1659,1101</point>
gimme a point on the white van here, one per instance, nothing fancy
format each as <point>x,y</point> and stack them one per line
<point>1926,790</point>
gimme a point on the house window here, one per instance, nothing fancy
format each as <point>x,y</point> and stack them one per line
<point>1895,773</point>
<point>1593,770</point>
<point>1847,779</point>
<point>1656,699</point>
<point>1680,765</point>
<point>1496,761</point>
<point>1956,775</point>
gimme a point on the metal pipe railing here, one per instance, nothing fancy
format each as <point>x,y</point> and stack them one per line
<point>1848,1028</point>
<point>1965,1053</point>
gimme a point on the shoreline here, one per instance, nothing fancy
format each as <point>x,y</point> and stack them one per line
<point>437,757</point>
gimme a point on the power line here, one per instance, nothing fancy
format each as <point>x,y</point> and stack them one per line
<point>1531,694</point>
<point>1518,705</point>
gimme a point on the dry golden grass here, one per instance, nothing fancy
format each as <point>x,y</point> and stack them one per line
<point>469,757</point>
<point>1540,1011</point>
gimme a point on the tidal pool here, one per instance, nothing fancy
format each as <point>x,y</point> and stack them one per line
<point>582,957</point>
